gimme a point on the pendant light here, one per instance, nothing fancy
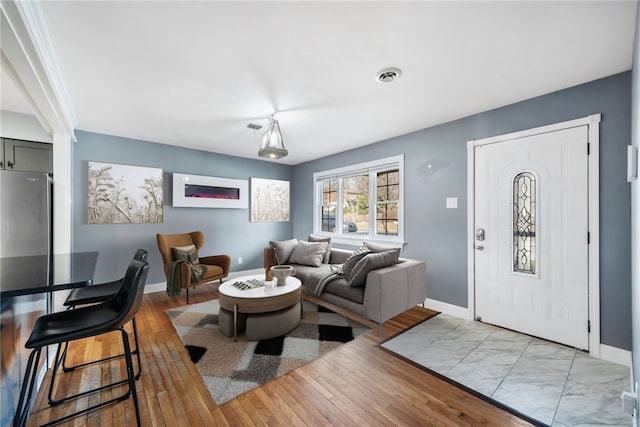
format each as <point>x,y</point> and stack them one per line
<point>272,145</point>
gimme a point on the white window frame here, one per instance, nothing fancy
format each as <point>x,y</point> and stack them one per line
<point>395,162</point>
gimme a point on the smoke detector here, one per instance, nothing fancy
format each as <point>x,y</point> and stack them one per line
<point>388,75</point>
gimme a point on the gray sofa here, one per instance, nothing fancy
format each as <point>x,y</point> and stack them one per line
<point>388,291</point>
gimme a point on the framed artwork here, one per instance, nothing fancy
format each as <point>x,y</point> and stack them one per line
<point>124,194</point>
<point>269,200</point>
<point>196,191</point>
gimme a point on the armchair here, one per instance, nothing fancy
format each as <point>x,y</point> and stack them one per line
<point>217,266</point>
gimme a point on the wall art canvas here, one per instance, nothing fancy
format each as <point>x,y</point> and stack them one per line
<point>124,194</point>
<point>269,200</point>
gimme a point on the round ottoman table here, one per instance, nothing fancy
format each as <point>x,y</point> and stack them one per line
<point>262,311</point>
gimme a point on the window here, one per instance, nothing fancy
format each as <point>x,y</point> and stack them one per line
<point>524,223</point>
<point>363,200</point>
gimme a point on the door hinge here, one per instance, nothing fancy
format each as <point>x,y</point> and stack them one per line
<point>589,326</point>
<point>588,148</point>
<point>588,237</point>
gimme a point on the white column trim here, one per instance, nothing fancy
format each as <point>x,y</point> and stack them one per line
<point>62,201</point>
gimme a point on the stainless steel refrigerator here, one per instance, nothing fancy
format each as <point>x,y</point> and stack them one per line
<point>25,213</point>
<point>25,229</point>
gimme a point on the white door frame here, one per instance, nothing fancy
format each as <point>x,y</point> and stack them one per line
<point>593,122</point>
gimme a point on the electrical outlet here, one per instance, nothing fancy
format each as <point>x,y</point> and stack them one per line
<point>239,260</point>
<point>452,202</point>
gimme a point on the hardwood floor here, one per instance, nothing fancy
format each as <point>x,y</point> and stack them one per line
<point>356,384</point>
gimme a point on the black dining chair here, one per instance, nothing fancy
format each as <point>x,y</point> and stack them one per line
<point>85,322</point>
<point>92,295</point>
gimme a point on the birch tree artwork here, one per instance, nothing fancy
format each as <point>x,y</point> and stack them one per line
<point>123,194</point>
<point>269,200</point>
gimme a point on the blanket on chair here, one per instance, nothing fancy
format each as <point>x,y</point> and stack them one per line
<point>173,278</point>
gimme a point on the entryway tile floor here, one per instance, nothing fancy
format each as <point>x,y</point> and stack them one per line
<point>551,383</point>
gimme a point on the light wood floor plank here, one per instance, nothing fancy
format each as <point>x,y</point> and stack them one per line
<point>359,383</point>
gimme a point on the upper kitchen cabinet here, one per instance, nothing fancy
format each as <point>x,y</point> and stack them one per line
<point>26,156</point>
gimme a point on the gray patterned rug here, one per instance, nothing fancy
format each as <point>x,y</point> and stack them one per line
<point>231,368</point>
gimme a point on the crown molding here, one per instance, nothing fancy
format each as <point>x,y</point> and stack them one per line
<point>29,57</point>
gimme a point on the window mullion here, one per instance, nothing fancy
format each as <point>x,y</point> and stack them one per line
<point>373,198</point>
<point>339,210</point>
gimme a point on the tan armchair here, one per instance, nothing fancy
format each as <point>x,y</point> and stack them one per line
<point>217,265</point>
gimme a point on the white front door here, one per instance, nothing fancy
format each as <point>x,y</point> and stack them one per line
<point>531,246</point>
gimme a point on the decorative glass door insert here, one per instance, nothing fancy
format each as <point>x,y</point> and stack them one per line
<point>524,223</point>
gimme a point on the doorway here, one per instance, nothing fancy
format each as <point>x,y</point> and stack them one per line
<point>532,233</point>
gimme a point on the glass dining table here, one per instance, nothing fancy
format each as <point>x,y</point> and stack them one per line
<point>36,274</point>
<point>26,285</point>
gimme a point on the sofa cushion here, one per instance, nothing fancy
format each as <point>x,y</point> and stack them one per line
<point>186,253</point>
<point>340,287</point>
<point>327,254</point>
<point>283,249</point>
<point>308,253</point>
<point>371,261</point>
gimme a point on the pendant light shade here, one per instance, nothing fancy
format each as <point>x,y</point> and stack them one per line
<point>272,145</point>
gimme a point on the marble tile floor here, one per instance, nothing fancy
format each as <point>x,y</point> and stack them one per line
<point>553,384</point>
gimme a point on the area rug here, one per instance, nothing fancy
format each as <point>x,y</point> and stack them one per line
<point>231,368</point>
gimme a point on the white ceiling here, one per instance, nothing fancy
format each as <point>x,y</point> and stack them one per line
<point>194,74</point>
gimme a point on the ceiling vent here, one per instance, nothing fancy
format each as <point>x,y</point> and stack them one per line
<point>388,75</point>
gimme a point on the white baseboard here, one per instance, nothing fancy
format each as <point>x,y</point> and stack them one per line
<point>150,288</point>
<point>235,274</point>
<point>162,286</point>
<point>615,355</point>
<point>443,307</point>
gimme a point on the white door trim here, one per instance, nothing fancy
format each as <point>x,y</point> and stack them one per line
<point>593,122</point>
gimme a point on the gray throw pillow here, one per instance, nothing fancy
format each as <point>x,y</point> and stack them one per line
<point>371,261</point>
<point>379,248</point>
<point>308,253</point>
<point>283,249</point>
<point>186,253</point>
<point>353,260</point>
<point>327,254</point>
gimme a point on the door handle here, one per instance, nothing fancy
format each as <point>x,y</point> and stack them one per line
<point>479,247</point>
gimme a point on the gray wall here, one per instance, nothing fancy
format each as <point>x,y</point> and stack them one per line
<point>438,235</point>
<point>227,231</point>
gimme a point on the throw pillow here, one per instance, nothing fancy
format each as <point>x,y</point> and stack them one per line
<point>371,261</point>
<point>308,253</point>
<point>327,255</point>
<point>283,249</point>
<point>356,256</point>
<point>186,253</point>
<point>379,248</point>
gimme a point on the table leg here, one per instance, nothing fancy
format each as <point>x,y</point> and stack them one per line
<point>235,322</point>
